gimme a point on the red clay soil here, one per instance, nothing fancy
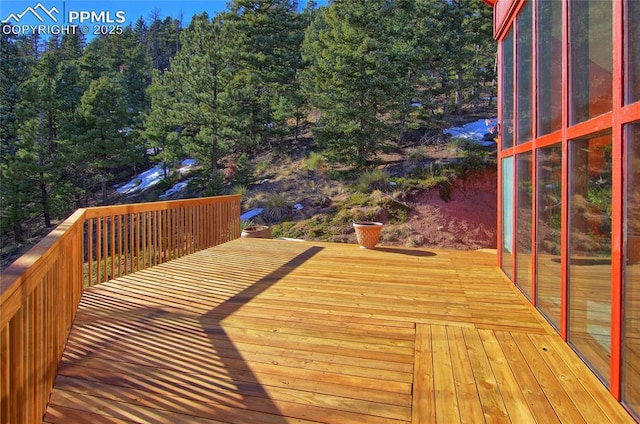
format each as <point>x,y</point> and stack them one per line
<point>467,221</point>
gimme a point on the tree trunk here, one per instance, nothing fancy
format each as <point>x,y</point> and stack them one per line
<point>459,94</point>
<point>103,184</point>
<point>44,199</point>
<point>18,234</point>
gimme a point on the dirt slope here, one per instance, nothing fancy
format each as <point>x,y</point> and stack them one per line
<point>466,222</point>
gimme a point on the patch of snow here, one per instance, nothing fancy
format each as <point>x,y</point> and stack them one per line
<point>250,214</point>
<point>186,166</point>
<point>143,181</point>
<point>175,189</point>
<point>474,131</point>
<point>152,177</point>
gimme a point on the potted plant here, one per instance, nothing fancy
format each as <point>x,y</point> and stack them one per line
<point>257,231</point>
<point>367,233</point>
<point>251,230</point>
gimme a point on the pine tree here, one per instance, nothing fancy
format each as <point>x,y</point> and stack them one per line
<point>101,142</point>
<point>459,35</point>
<point>266,36</point>
<point>161,124</point>
<point>351,77</point>
<point>198,79</point>
<point>15,193</point>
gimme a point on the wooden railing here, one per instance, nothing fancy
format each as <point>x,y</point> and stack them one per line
<point>128,238</point>
<point>40,292</point>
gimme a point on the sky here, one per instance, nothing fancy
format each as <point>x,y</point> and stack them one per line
<point>96,13</point>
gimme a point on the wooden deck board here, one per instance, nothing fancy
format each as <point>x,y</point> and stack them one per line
<point>267,331</point>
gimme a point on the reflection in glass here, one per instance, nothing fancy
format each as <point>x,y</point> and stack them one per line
<point>631,340</point>
<point>506,132</point>
<point>549,198</point>
<point>590,203</point>
<point>549,66</point>
<point>632,15</point>
<point>523,223</point>
<point>591,58</point>
<point>524,92</point>
<point>507,215</point>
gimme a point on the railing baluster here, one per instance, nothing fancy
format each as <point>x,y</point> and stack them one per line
<point>90,252</point>
<point>98,249</point>
<point>105,276</point>
<point>120,243</point>
<point>112,221</point>
<point>149,239</point>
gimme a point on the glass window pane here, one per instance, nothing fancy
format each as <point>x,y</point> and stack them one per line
<point>549,66</point>
<point>590,251</point>
<point>524,92</point>
<point>632,16</point>
<point>591,58</point>
<point>549,198</point>
<point>507,215</point>
<point>506,133</point>
<point>523,223</point>
<point>631,341</point>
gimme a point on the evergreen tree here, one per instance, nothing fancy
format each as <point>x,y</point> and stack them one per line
<point>266,37</point>
<point>15,193</point>
<point>198,79</point>
<point>101,143</point>
<point>163,41</point>
<point>161,124</point>
<point>351,77</point>
<point>462,51</point>
<point>38,131</point>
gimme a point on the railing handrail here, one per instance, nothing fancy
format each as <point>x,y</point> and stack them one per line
<point>31,266</point>
<point>33,263</point>
<point>102,211</point>
<point>40,292</point>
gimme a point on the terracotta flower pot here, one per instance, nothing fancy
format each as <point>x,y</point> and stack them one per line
<point>368,233</point>
<point>258,231</point>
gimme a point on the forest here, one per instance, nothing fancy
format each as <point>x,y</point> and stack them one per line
<point>78,116</point>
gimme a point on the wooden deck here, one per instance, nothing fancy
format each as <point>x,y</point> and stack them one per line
<point>269,331</point>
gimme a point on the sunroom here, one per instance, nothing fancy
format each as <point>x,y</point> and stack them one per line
<point>569,158</point>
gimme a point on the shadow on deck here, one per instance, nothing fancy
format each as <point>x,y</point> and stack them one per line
<point>268,331</point>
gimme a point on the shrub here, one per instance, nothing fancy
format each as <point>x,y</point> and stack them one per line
<point>262,166</point>
<point>356,199</point>
<point>286,229</point>
<point>415,240</point>
<point>342,174</point>
<point>315,163</point>
<point>243,173</point>
<point>239,189</point>
<point>372,180</point>
<point>276,207</point>
<point>396,233</point>
<point>416,154</point>
<point>244,223</point>
<point>348,216</point>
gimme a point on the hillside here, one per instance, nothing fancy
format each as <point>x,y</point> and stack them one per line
<point>436,194</point>
<point>418,194</point>
<point>459,213</point>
